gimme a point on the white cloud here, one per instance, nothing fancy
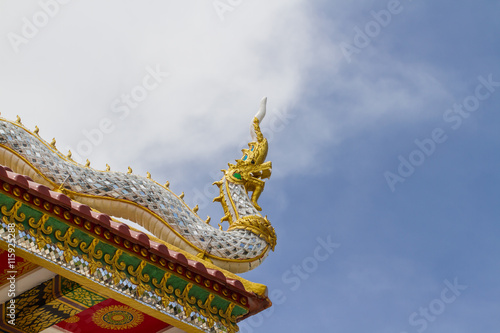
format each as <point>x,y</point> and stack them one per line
<point>90,53</point>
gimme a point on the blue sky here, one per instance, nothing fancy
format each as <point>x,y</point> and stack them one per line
<point>420,255</point>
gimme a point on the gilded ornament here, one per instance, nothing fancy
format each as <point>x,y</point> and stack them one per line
<point>16,191</point>
<point>91,255</point>
<point>116,268</point>
<point>249,173</point>
<point>67,244</point>
<point>117,317</point>
<point>258,225</point>
<point>98,230</point>
<point>6,187</point>
<point>139,279</point>
<point>185,300</point>
<point>39,230</point>
<point>163,290</point>
<point>11,217</point>
<point>206,307</point>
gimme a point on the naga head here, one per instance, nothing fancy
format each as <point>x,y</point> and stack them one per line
<point>257,149</point>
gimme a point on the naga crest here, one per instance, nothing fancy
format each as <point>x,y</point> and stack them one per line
<point>247,176</point>
<point>251,168</point>
<point>242,247</point>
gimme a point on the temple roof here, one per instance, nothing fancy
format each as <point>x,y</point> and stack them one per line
<point>224,284</point>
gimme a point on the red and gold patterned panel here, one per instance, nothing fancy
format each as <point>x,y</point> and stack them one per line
<point>19,266</point>
<point>112,316</point>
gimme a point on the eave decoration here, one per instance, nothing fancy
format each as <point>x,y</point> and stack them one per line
<point>55,215</point>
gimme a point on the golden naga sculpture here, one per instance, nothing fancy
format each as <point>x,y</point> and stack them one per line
<point>242,247</point>
<point>251,169</point>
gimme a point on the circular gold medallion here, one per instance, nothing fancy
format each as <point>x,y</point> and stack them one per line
<point>117,317</point>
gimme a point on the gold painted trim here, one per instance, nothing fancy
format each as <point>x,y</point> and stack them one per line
<point>249,286</point>
<point>90,253</point>
<point>68,252</point>
<point>104,290</point>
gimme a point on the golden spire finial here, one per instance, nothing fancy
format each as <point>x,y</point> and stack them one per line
<point>167,184</point>
<point>129,171</point>
<point>108,167</point>
<point>18,120</point>
<point>207,221</point>
<point>87,164</point>
<point>53,143</point>
<point>148,175</point>
<point>36,130</point>
<point>196,208</point>
<point>69,155</point>
<point>181,195</point>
